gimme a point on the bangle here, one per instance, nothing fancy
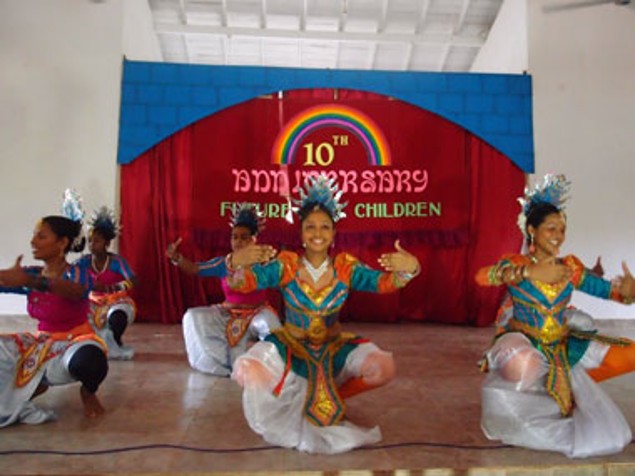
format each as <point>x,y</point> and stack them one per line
<point>525,272</point>
<point>409,276</point>
<point>177,261</point>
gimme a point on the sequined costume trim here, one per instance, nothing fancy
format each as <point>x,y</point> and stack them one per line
<point>323,405</point>
<point>240,318</point>
<point>37,349</point>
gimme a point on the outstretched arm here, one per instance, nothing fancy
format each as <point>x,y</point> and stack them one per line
<point>626,285</point>
<point>177,259</point>
<point>17,277</point>
<point>250,255</point>
<point>400,261</point>
<point>399,267</point>
<point>506,272</point>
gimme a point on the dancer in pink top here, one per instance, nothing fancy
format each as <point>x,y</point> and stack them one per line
<point>64,349</point>
<point>112,309</point>
<point>215,336</point>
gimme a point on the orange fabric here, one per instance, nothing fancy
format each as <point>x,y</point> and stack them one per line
<point>344,265</point>
<point>39,351</point>
<point>289,262</point>
<point>577,267</point>
<point>618,361</point>
<point>108,299</point>
<point>482,276</point>
<point>77,331</point>
<point>354,386</point>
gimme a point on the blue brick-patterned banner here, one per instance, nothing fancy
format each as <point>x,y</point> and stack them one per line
<point>158,99</point>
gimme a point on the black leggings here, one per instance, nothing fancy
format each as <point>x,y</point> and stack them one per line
<point>118,321</point>
<point>89,365</point>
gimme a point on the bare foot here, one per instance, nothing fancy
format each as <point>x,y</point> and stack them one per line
<point>92,406</point>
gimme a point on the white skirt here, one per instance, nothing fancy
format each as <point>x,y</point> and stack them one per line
<point>280,419</point>
<point>115,351</point>
<point>15,401</point>
<point>204,333</point>
<point>524,414</point>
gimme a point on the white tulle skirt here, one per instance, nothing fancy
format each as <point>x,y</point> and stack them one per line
<point>204,334</point>
<point>280,418</point>
<point>523,414</point>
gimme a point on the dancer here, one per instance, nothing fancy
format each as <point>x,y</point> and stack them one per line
<point>64,349</point>
<point>112,309</point>
<point>216,335</point>
<point>295,382</point>
<point>540,391</point>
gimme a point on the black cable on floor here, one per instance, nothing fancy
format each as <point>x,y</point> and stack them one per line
<point>125,449</point>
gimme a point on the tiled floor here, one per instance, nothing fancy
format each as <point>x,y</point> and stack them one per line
<point>163,417</point>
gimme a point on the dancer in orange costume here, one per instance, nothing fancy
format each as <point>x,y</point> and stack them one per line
<point>538,392</point>
<point>296,380</point>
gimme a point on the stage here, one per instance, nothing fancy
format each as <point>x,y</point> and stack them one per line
<point>164,418</point>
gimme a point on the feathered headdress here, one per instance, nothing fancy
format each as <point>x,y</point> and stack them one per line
<point>72,205</point>
<point>72,209</point>
<point>321,190</point>
<point>247,215</point>
<point>103,219</point>
<point>554,189</point>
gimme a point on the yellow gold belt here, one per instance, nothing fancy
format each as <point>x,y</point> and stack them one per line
<point>550,332</point>
<point>317,333</point>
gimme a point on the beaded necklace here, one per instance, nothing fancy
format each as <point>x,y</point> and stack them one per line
<point>316,273</point>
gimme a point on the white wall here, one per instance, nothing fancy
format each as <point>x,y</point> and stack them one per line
<point>505,50</point>
<point>60,75</point>
<point>583,67</point>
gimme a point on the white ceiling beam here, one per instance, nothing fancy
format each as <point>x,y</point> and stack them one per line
<point>425,38</point>
<point>185,48</point>
<point>373,55</point>
<point>303,15</point>
<point>183,11</point>
<point>223,13</point>
<point>383,19</point>
<point>262,52</point>
<point>408,61</point>
<point>225,42</point>
<point>443,59</point>
<point>424,7</point>
<point>464,7</point>
<point>263,13</point>
<point>343,15</point>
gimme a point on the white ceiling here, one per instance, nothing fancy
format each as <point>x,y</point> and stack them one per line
<point>398,35</point>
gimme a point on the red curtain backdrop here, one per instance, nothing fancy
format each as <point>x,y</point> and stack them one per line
<point>181,188</point>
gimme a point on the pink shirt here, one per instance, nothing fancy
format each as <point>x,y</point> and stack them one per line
<point>234,297</point>
<point>55,313</point>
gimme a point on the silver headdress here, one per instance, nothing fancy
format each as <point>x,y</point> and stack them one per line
<point>72,209</point>
<point>72,205</point>
<point>103,219</point>
<point>247,215</point>
<point>321,190</point>
<point>554,189</point>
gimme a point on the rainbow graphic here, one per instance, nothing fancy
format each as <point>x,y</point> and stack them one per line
<point>331,115</point>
